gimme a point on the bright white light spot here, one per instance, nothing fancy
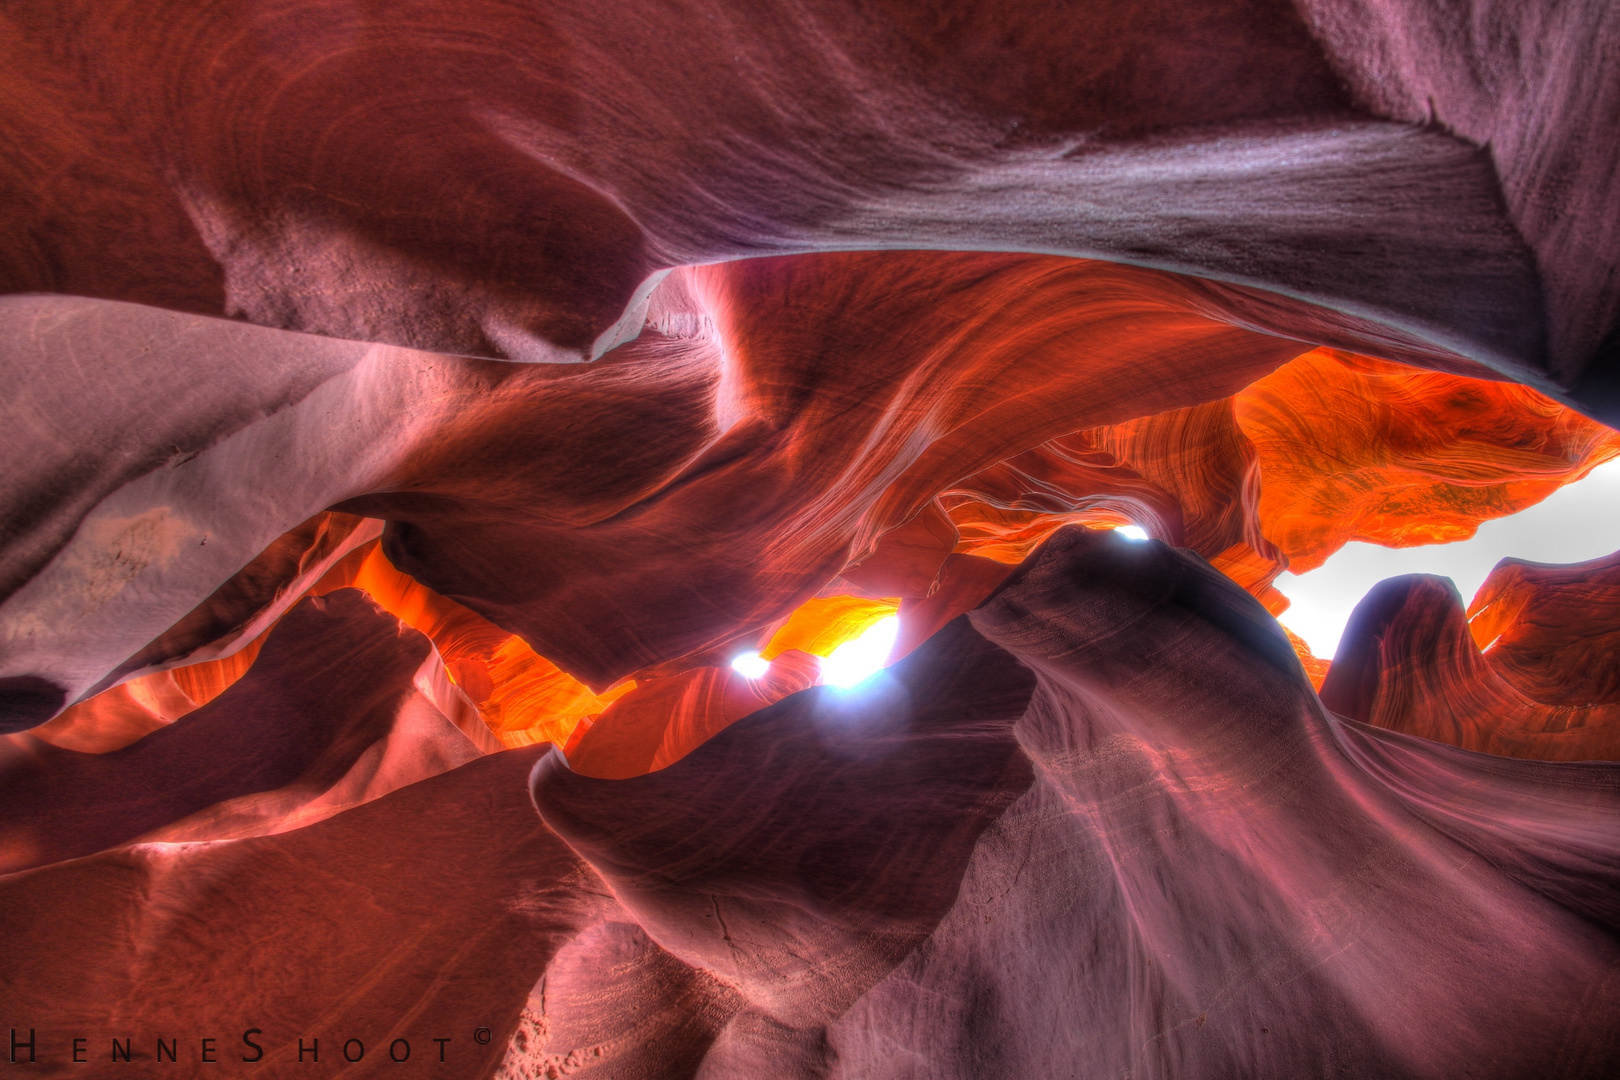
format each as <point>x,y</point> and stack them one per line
<point>864,656</point>
<point>1131,532</point>
<point>750,665</point>
<point>1578,522</point>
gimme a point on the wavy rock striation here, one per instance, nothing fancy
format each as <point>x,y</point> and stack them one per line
<point>1103,823</point>
<point>393,392</point>
<point>1550,631</point>
<point>297,738</point>
<point>1408,662</point>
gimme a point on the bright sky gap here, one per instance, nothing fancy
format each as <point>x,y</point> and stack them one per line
<point>1577,522</point>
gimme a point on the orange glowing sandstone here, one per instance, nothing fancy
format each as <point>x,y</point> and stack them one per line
<point>121,715</point>
<point>821,624</point>
<point>664,719</point>
<point>1329,448</point>
<point>522,696</point>
<point>1408,662</point>
<point>1352,448</point>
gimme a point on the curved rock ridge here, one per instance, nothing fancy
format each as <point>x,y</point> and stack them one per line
<point>1551,631</point>
<point>830,429</point>
<point>1408,662</point>
<point>808,892</point>
<point>664,719</point>
<point>1189,477</point>
<point>329,716</point>
<point>1101,824</point>
<point>519,696</point>
<point>825,431</point>
<point>1209,925</point>
<point>505,181</point>
<point>1327,448</point>
<point>231,624</point>
<point>647,721</point>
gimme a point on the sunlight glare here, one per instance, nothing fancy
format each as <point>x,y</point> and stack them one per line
<point>856,660</point>
<point>750,665</point>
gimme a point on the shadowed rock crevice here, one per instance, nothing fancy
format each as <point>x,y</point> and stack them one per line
<point>333,680</point>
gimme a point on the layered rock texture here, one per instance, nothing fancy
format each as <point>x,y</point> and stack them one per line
<point>413,410</point>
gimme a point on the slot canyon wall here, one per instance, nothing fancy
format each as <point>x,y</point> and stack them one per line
<point>411,409</point>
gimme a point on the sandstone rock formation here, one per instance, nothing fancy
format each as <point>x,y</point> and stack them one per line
<point>1409,662</point>
<point>1102,823</point>
<point>412,410</point>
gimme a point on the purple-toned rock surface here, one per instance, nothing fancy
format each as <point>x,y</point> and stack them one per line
<point>1100,825</point>
<point>389,388</point>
